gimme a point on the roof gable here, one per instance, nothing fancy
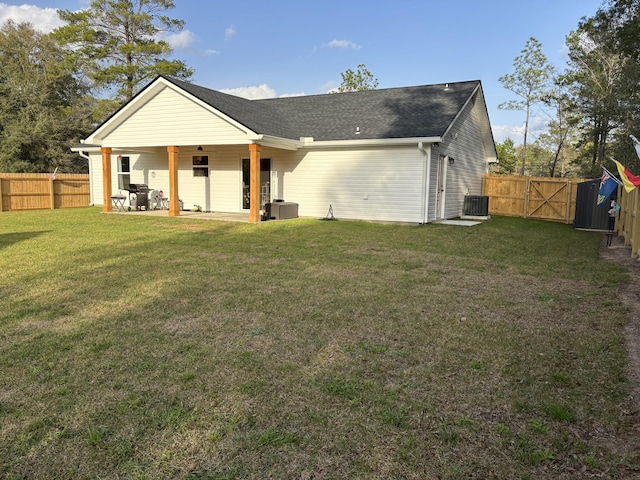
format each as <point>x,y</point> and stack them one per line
<point>163,113</point>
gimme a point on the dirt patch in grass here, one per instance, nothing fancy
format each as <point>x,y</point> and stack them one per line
<point>629,293</point>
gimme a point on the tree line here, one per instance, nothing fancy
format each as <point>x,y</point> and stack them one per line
<point>592,106</point>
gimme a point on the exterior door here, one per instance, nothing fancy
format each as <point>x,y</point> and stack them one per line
<point>265,182</point>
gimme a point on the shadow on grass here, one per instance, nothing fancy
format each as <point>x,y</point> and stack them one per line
<point>8,239</point>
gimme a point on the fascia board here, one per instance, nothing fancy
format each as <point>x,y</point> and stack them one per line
<point>278,142</point>
<point>85,147</point>
<point>489,141</point>
<point>455,119</point>
<point>98,148</point>
<point>310,143</point>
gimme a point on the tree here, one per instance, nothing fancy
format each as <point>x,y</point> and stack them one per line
<point>539,158</point>
<point>613,34</point>
<point>43,108</point>
<point>118,42</point>
<point>530,82</point>
<point>358,81</point>
<point>561,128</point>
<point>594,74</point>
<point>507,157</point>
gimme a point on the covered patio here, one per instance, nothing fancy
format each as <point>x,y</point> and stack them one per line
<point>254,151</point>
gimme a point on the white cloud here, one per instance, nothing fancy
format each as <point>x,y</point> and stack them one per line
<point>286,95</point>
<point>343,44</point>
<point>502,132</point>
<point>258,92</point>
<point>229,32</point>
<point>181,40</point>
<point>43,19</point>
<point>252,93</point>
<point>329,87</point>
<point>211,52</point>
<point>537,125</point>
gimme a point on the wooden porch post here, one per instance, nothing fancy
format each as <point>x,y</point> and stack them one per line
<point>174,199</point>
<point>254,183</point>
<point>106,180</point>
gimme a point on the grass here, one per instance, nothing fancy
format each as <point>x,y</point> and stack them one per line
<point>135,347</point>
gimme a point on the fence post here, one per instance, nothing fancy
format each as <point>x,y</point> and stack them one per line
<point>1,201</point>
<point>52,193</point>
<point>569,187</point>
<point>527,186</point>
<point>622,201</point>
<point>635,230</point>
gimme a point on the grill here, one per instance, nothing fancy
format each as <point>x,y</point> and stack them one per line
<point>138,196</point>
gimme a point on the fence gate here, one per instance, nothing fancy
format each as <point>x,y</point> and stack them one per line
<point>542,198</point>
<point>548,200</point>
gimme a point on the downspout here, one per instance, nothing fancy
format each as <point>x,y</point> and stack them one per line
<point>424,204</point>
<point>88,158</point>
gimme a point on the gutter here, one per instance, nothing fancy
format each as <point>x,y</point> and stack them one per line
<point>308,142</point>
<point>85,156</point>
<point>277,142</point>
<point>424,203</point>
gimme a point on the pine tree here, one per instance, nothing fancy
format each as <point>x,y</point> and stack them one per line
<point>119,45</point>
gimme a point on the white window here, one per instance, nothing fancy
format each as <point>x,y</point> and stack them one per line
<point>124,169</point>
<point>201,165</point>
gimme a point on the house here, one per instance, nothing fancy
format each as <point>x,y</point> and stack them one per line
<point>406,154</point>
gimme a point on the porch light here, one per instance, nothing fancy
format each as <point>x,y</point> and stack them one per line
<point>451,160</point>
<point>199,148</point>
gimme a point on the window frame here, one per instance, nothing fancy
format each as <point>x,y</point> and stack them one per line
<point>200,165</point>
<point>124,172</point>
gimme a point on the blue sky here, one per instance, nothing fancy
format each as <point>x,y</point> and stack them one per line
<point>261,49</point>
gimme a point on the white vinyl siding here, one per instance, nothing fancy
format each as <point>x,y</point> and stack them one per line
<point>368,184</point>
<point>170,118</point>
<point>465,144</point>
<point>95,179</point>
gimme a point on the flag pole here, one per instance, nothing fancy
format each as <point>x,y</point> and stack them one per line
<point>612,176</point>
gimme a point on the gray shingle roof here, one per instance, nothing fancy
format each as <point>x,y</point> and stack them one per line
<point>407,112</point>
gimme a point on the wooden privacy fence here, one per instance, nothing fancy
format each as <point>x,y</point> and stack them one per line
<point>628,221</point>
<point>37,191</point>
<point>542,198</point>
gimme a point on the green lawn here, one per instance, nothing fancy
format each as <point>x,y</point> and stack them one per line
<point>153,347</point>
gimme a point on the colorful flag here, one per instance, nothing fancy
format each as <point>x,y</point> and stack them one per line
<point>608,183</point>
<point>629,180</point>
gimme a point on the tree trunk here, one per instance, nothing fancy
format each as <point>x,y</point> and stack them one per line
<point>524,144</point>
